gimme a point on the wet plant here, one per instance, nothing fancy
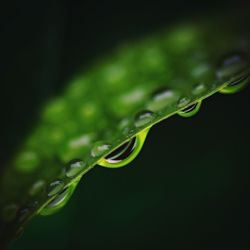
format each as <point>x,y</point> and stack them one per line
<point>104,115</point>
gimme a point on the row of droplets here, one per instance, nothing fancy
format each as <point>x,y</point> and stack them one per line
<point>125,153</point>
<point>230,69</point>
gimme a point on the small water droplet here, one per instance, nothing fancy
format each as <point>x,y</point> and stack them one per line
<point>75,167</point>
<point>59,201</point>
<point>183,102</point>
<point>9,212</point>
<point>190,110</point>
<point>231,65</point>
<point>55,187</point>
<point>199,89</point>
<point>99,149</point>
<point>162,98</point>
<point>125,153</point>
<point>37,187</point>
<point>143,118</point>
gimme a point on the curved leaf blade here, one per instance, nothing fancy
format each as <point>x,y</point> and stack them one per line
<point>162,74</point>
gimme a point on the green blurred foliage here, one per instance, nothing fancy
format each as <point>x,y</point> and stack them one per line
<point>192,195</point>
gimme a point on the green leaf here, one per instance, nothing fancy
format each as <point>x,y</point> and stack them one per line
<point>103,116</point>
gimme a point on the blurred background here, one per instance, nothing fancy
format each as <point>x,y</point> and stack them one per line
<point>189,187</point>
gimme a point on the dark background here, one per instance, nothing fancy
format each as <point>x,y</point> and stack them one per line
<point>189,187</point>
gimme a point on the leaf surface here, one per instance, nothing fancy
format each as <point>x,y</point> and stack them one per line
<point>120,97</point>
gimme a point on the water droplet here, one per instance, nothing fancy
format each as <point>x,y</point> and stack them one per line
<point>122,152</point>
<point>125,153</point>
<point>183,102</point>
<point>9,212</point>
<point>236,85</point>
<point>199,89</point>
<point>59,201</point>
<point>99,149</point>
<point>37,187</point>
<point>75,167</point>
<point>55,187</point>
<point>190,110</point>
<point>162,98</point>
<point>143,118</point>
<point>232,65</point>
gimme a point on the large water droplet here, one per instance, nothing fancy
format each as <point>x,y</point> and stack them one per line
<point>9,212</point>
<point>75,167</point>
<point>122,152</point>
<point>59,201</point>
<point>99,149</point>
<point>231,65</point>
<point>162,98</point>
<point>143,118</point>
<point>55,187</point>
<point>190,110</point>
<point>125,153</point>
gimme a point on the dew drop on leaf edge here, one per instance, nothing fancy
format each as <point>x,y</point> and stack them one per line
<point>122,152</point>
<point>191,110</point>
<point>59,201</point>
<point>125,153</point>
